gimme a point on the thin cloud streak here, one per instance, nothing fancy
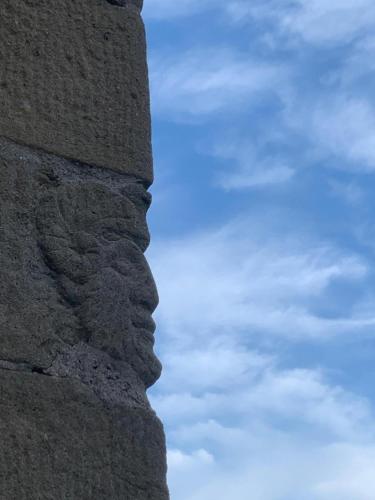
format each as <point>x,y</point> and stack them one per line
<point>255,314</point>
<point>206,82</point>
<point>205,323</point>
<point>239,281</point>
<point>313,21</point>
<point>248,168</point>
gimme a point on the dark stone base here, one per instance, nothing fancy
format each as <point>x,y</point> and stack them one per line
<point>60,442</point>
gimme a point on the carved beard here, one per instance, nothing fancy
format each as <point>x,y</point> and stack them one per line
<point>101,273</point>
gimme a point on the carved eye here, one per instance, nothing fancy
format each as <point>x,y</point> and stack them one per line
<point>111,234</point>
<point>113,228</point>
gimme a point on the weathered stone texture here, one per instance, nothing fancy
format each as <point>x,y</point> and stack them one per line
<point>60,442</point>
<point>73,81</point>
<point>71,262</point>
<point>76,333</point>
<point>76,293</point>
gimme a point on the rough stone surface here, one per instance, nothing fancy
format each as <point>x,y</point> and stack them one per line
<point>76,299</point>
<point>60,441</point>
<point>72,267</point>
<point>73,80</point>
<point>76,293</point>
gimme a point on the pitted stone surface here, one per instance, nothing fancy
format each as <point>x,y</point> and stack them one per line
<point>72,267</point>
<point>76,293</point>
<point>73,81</point>
<point>76,298</point>
<point>59,441</point>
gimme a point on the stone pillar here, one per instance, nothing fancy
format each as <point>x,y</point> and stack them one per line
<point>76,294</point>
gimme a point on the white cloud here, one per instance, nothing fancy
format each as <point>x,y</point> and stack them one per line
<point>303,395</point>
<point>359,63</point>
<point>237,280</point>
<point>177,459</point>
<point>336,120</point>
<point>336,20</point>
<point>315,440</point>
<point>302,399</point>
<point>260,174</point>
<point>345,126</point>
<point>221,83</point>
<point>202,82</point>
<point>221,366</point>
<point>285,469</point>
<point>248,168</point>
<point>234,414</point>
<point>241,419</point>
<point>315,21</point>
<point>353,477</point>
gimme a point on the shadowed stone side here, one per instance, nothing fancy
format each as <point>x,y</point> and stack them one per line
<point>76,293</point>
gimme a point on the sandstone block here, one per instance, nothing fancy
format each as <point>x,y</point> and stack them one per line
<point>73,81</point>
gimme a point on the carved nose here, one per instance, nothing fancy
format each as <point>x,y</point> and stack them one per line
<point>143,321</point>
<point>147,296</point>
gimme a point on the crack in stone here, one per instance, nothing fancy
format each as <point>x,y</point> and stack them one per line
<point>76,292</point>
<point>126,3</point>
<point>23,366</point>
<point>64,166</point>
<point>101,171</point>
<point>112,382</point>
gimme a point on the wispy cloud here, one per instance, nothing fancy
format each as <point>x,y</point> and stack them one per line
<point>233,412</point>
<point>237,302</point>
<point>337,20</point>
<point>240,280</point>
<point>247,167</point>
<point>224,86</point>
<point>297,400</point>
<point>298,467</point>
<point>359,63</point>
<point>224,440</point>
<point>342,126</point>
<point>202,82</point>
<point>315,21</point>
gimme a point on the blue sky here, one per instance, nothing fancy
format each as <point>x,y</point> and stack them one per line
<point>264,246</point>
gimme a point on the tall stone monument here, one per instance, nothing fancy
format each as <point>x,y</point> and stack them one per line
<point>76,294</point>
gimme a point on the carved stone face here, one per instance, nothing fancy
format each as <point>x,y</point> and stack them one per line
<point>92,236</point>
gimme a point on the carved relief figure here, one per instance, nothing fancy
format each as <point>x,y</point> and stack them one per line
<point>92,238</point>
